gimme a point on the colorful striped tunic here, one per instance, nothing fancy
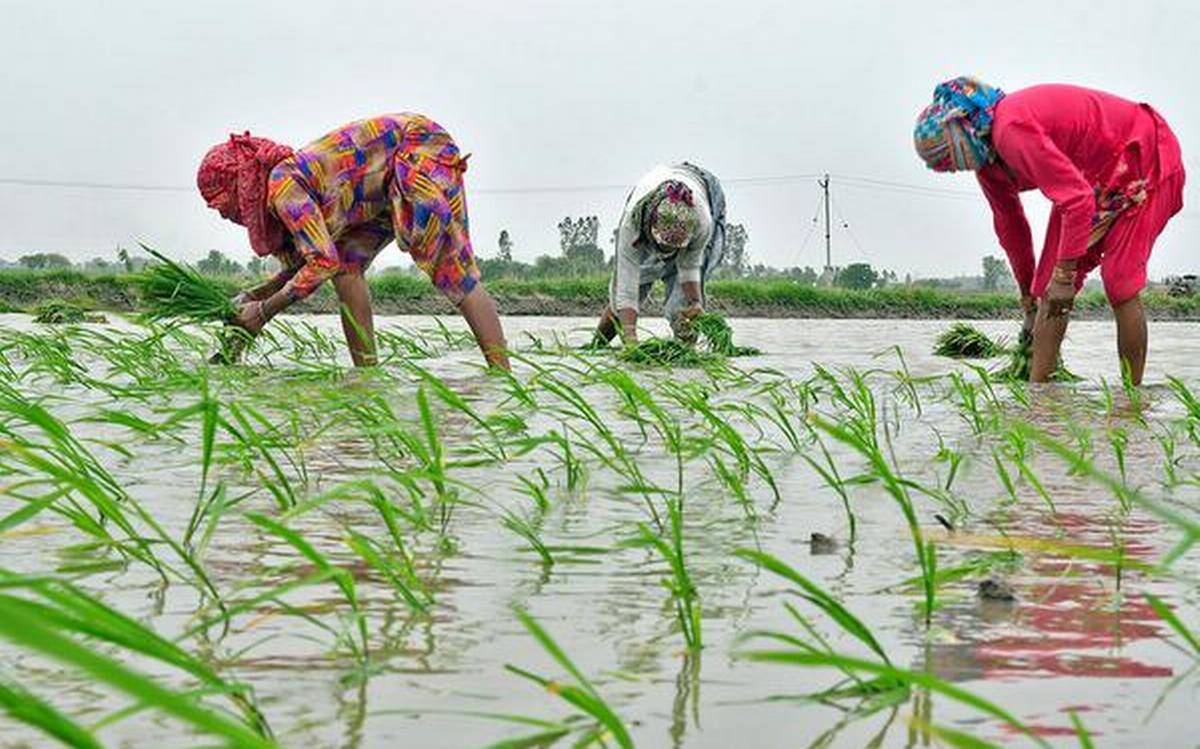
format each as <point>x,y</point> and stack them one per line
<point>346,195</point>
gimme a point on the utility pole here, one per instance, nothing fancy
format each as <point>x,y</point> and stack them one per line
<point>825,186</point>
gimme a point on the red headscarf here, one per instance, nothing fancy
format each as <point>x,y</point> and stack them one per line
<point>241,166</point>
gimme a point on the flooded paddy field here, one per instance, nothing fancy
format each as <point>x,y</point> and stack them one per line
<point>845,541</point>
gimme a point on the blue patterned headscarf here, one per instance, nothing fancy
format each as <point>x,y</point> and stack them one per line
<point>954,132</point>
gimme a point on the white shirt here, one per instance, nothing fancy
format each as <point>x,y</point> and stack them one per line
<point>636,249</point>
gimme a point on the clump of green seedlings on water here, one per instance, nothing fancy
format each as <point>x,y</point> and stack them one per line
<point>965,341</point>
<point>58,312</point>
<point>673,352</point>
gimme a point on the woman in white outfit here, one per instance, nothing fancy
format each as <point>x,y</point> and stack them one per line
<point>673,229</point>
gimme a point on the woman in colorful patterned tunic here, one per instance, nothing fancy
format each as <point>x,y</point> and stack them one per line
<point>672,229</point>
<point>1112,169</point>
<point>326,210</point>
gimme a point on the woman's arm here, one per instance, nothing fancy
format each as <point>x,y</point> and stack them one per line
<point>1030,151</point>
<point>627,276</point>
<point>1008,219</point>
<point>297,210</point>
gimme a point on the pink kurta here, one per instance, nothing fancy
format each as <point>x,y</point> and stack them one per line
<point>1111,167</point>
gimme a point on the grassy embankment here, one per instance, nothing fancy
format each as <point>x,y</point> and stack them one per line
<point>397,293</point>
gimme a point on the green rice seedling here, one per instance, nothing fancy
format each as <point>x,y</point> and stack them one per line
<point>458,403</point>
<point>529,532</point>
<point>695,398</point>
<point>831,476</point>
<point>1165,613</point>
<point>857,399</point>
<point>1185,396</point>
<point>1085,738</point>
<point>536,489</point>
<point>397,346</point>
<point>683,591</point>
<point>1018,453</point>
<point>574,468</point>
<point>176,291</point>
<point>1165,436</point>
<point>343,579</point>
<point>397,571</point>
<point>951,457</point>
<point>886,675</point>
<point>48,631</point>
<point>964,341</point>
<point>26,707</point>
<point>1118,439</point>
<point>897,488</point>
<point>733,481</point>
<point>823,601</point>
<point>968,402</point>
<point>581,694</point>
<point>68,609</point>
<point>254,442</point>
<point>1126,495</point>
<point>48,356</point>
<point>905,382</point>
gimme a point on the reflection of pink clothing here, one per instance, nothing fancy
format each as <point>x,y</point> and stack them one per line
<point>1091,154</point>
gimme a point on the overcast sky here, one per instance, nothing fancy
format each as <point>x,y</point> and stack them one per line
<point>567,94</point>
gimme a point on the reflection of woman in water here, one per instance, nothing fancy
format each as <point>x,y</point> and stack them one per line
<point>1112,170</point>
<point>326,210</point>
<point>1067,621</point>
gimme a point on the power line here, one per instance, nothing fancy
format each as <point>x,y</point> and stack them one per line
<point>25,182</point>
<point>767,180</point>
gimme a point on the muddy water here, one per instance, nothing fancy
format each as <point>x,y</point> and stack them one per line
<point>1071,641</point>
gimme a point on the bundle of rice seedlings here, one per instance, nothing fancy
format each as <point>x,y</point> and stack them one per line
<point>666,352</point>
<point>719,336</point>
<point>965,341</point>
<point>1021,362</point>
<point>177,291</point>
<point>57,312</point>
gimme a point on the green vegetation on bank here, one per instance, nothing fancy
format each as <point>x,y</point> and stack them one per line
<point>405,293</point>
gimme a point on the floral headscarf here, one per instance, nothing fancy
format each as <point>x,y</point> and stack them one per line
<point>954,132</point>
<point>240,167</point>
<point>674,218</point>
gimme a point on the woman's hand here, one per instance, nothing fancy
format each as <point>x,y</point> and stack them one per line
<point>682,326</point>
<point>1060,294</point>
<point>251,318</point>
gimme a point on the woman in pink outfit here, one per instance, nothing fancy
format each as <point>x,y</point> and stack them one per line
<point>1113,171</point>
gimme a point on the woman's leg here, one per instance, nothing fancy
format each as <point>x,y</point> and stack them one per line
<point>357,319</point>
<point>1132,337</point>
<point>1048,335</point>
<point>1127,248</point>
<point>479,310</point>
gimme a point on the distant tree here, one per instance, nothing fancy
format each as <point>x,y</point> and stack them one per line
<point>98,265</point>
<point>582,231</point>
<point>256,267</point>
<point>124,258</point>
<point>44,261</point>
<point>505,245</point>
<point>736,259</point>
<point>577,238</point>
<point>216,264</point>
<point>856,276</point>
<point>996,273</point>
